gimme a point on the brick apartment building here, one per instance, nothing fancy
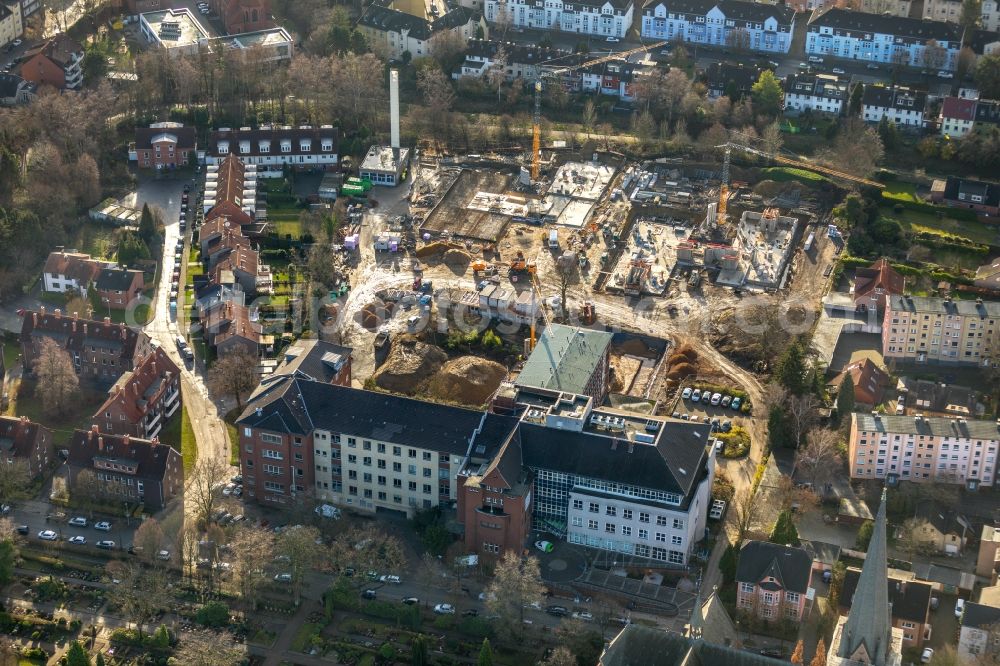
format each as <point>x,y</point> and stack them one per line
<point>118,287</point>
<point>926,449</point>
<point>941,330</point>
<point>23,439</point>
<point>244,15</point>
<point>271,148</point>
<point>909,603</point>
<point>165,145</point>
<point>142,401</point>
<point>773,581</point>
<point>100,350</point>
<point>56,62</point>
<point>127,468</point>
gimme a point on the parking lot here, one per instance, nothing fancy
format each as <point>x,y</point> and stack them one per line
<point>719,414</point>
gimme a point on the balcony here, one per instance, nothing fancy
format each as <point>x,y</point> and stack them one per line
<point>491,510</point>
<point>152,421</point>
<point>172,409</point>
<point>176,391</point>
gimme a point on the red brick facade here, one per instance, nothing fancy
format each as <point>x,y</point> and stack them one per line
<point>495,519</point>
<point>276,466</point>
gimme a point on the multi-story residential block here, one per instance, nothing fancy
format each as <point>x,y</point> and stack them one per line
<point>118,287</point>
<point>958,115</point>
<point>165,145</point>
<point>825,93</point>
<point>941,330</point>
<point>988,276</point>
<point>29,7</point>
<point>142,400</point>
<point>927,449</point>
<point>847,34</point>
<point>127,468</point>
<point>101,350</point>
<point>886,7</point>
<point>899,105</point>
<point>601,18</point>
<point>951,12</point>
<point>773,581</point>
<point>569,359</point>
<point>231,193</point>
<point>11,21</point>
<point>178,32</point>
<point>520,61</point>
<point>24,440</point>
<point>909,603</point>
<point>597,477</point>
<point>271,148</point>
<point>736,24</point>
<point>979,636</point>
<point>875,284</point>
<point>71,271</point>
<point>316,361</point>
<point>402,32</point>
<point>14,90</point>
<point>810,5</point>
<point>975,195</point>
<point>240,267</point>
<point>56,62</point>
<point>988,559</point>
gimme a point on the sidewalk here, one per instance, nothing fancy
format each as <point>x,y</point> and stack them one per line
<point>283,643</point>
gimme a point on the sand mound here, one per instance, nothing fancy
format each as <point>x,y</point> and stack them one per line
<point>432,249</point>
<point>374,314</point>
<point>409,364</point>
<point>455,257</point>
<point>468,379</point>
<point>633,347</point>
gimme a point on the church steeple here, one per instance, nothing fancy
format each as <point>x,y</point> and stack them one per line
<point>867,635</point>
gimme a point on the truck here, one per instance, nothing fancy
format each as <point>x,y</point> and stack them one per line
<point>809,242</point>
<point>554,239</point>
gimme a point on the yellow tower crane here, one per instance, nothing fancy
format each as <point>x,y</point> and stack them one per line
<point>551,71</point>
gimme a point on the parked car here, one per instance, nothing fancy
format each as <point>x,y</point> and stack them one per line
<point>586,616</point>
<point>472,612</point>
<point>696,395</point>
<point>557,611</point>
<point>718,509</point>
<point>735,404</point>
<point>22,529</point>
<point>544,546</point>
<point>838,70</point>
<point>686,393</point>
<point>716,398</point>
<point>411,601</point>
<point>944,75</point>
<point>106,545</point>
<point>368,594</point>
<point>444,609</point>
<point>927,655</point>
<point>47,535</point>
<point>726,399</point>
<point>283,578</point>
<point>390,579</point>
<point>706,397</point>
<point>78,521</point>
<point>103,526</point>
<point>719,446</point>
<point>959,608</point>
<point>163,555</point>
<point>78,540</point>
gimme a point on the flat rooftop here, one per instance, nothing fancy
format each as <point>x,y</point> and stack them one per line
<point>175,28</point>
<point>582,180</point>
<point>454,214</point>
<point>385,158</point>
<point>246,40</point>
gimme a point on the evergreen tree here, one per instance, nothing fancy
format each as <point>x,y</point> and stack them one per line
<point>147,224</point>
<point>857,95</point>
<point>132,248</point>
<point>727,563</point>
<point>791,369</point>
<point>784,531</point>
<point>779,430</point>
<point>418,651</point>
<point>100,659</point>
<point>486,654</point>
<point>864,535</point>
<point>76,655</point>
<point>845,399</point>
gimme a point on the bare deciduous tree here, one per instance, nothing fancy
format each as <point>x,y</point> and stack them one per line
<point>746,509</point>
<point>516,584</point>
<point>234,374</point>
<point>148,540</point>
<point>252,548</point>
<point>818,460</point>
<point>140,593</point>
<point>561,656</point>
<point>57,379</point>
<point>86,492</point>
<point>299,544</point>
<point>202,487</point>
<point>857,149</point>
<point>803,415</point>
<point>368,547</point>
<point>15,476</point>
<point>209,649</point>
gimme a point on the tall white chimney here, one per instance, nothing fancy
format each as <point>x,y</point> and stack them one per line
<point>394,107</point>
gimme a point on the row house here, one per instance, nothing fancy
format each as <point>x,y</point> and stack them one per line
<point>909,605</point>
<point>600,18</point>
<point>21,439</point>
<point>594,477</point>
<point>71,271</point>
<point>615,78</point>
<point>899,105</point>
<point>979,635</point>
<point>101,351</point>
<point>142,400</point>
<point>958,116</point>
<point>14,90</point>
<point>773,581</point>
<point>229,326</point>
<point>873,285</point>
<point>847,34</point>
<point>165,145</point>
<point>241,267</point>
<point>941,330</point>
<point>924,449</point>
<point>11,22</point>
<point>951,12</point>
<point>885,7</point>
<point>520,61</point>
<point>231,192</point>
<point>869,380</point>
<point>982,197</point>
<point>271,148</point>
<point>823,93</point>
<point>810,5</point>
<point>56,62</point>
<point>734,81</point>
<point>402,32</point>
<point>736,24</point>
<point>118,287</point>
<point>126,468</point>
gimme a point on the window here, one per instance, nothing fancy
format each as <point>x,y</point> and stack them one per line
<point>427,473</point>
<point>747,587</point>
<point>611,510</point>
<point>274,487</point>
<point>627,514</point>
<point>397,451</point>
<point>793,598</point>
<point>427,489</point>
<point>577,521</point>
<point>381,463</point>
<point>381,480</point>
<point>643,517</point>
<point>367,445</point>
<point>660,536</point>
<point>270,439</point>
<point>397,467</point>
<point>609,528</point>
<point>381,495</point>
<point>367,462</point>
<point>595,507</point>
<point>427,455</point>
<point>676,540</point>
<point>678,524</point>
<point>661,521</point>
<point>643,534</point>
<point>272,469</point>
<point>352,459</point>
<point>592,524</point>
<point>626,530</point>
<point>578,504</point>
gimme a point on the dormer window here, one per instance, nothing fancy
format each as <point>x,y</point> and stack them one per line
<point>244,147</point>
<point>223,147</point>
<point>327,146</point>
<point>305,145</point>
<point>286,146</point>
<point>264,146</point>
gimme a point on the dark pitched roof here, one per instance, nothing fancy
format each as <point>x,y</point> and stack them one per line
<point>387,19</point>
<point>116,279</point>
<point>673,465</point>
<point>150,457</point>
<point>789,565</point>
<point>910,599</point>
<point>76,265</point>
<point>75,334</point>
<point>275,134</point>
<point>719,75</point>
<point>135,391</point>
<point>978,40</point>
<point>523,54</point>
<point>944,519</point>
<point>12,84</point>
<point>736,10</point>
<point>60,49</point>
<point>895,97</point>
<point>829,86</point>
<point>18,434</point>
<point>638,645</point>
<point>979,616</point>
<point>955,186</point>
<point>988,111</point>
<point>186,138</point>
<point>880,275</point>
<point>314,359</point>
<point>846,21</point>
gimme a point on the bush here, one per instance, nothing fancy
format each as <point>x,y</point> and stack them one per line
<point>736,442</point>
<point>34,653</point>
<point>213,614</point>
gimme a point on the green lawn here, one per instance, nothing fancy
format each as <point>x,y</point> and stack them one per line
<point>26,402</point>
<point>920,222</point>
<point>301,641</point>
<point>11,351</point>
<point>234,437</point>
<point>782,174</point>
<point>899,191</point>
<point>179,434</point>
